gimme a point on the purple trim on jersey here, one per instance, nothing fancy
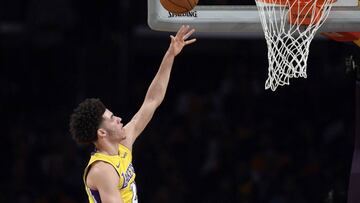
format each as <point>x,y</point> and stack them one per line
<point>96,195</point>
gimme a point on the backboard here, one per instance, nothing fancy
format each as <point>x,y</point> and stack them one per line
<point>344,17</point>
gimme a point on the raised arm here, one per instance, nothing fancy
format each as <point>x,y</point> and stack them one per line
<point>157,89</point>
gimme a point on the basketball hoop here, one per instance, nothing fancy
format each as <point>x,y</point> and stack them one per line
<point>289,27</point>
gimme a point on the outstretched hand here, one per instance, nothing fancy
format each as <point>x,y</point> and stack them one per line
<point>180,39</point>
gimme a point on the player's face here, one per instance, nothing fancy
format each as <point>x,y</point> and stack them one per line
<point>112,124</point>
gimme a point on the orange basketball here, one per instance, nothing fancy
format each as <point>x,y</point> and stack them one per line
<point>179,6</point>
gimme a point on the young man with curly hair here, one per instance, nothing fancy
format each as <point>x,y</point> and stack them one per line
<point>109,176</point>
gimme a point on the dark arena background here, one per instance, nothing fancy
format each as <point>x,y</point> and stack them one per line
<point>217,137</point>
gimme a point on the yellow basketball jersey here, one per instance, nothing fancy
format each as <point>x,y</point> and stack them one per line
<point>124,168</point>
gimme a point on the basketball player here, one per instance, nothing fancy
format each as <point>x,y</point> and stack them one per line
<point>110,176</point>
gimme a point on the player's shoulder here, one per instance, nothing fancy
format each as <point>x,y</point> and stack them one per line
<point>101,168</point>
<point>101,171</point>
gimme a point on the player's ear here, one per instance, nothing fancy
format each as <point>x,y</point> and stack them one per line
<point>101,132</point>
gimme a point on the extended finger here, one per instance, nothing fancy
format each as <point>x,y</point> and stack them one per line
<point>172,38</point>
<point>188,34</point>
<point>183,30</point>
<point>190,41</point>
<point>180,31</point>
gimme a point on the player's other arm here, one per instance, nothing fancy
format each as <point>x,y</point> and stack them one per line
<point>103,177</point>
<point>157,89</point>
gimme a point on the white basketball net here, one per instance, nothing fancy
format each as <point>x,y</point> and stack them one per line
<point>288,43</point>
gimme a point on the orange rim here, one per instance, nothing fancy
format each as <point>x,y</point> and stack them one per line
<point>301,10</point>
<point>278,2</point>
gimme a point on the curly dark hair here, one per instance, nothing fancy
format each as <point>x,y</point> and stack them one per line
<point>85,121</point>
